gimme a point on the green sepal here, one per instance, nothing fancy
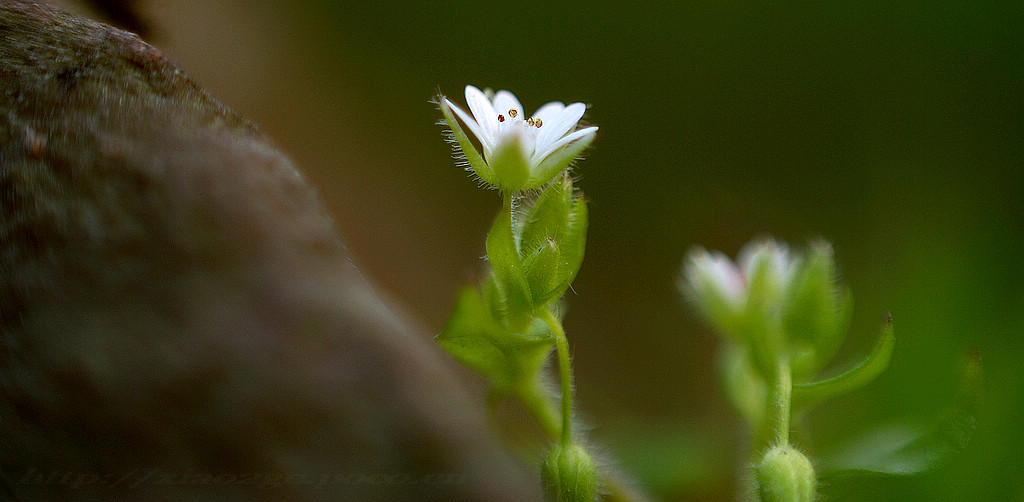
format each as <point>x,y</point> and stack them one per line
<point>510,277</point>
<point>901,448</point>
<point>816,316</point>
<point>556,162</point>
<point>765,282</point>
<point>760,323</point>
<point>571,248</point>
<point>473,157</point>
<point>511,167</point>
<point>506,359</point>
<point>806,395</point>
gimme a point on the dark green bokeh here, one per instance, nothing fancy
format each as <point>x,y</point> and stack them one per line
<point>893,129</point>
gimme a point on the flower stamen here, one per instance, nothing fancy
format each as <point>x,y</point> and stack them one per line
<point>501,118</point>
<point>512,112</point>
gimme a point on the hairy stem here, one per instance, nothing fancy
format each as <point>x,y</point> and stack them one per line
<point>782,400</point>
<point>564,372</point>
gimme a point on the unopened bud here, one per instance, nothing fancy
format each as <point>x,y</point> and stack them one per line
<point>785,475</point>
<point>569,475</point>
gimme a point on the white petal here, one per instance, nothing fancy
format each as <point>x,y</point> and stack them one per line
<point>540,154</point>
<point>727,277</point>
<point>561,124</point>
<point>505,101</point>
<point>471,125</point>
<point>483,112</point>
<point>776,255</point>
<point>548,112</point>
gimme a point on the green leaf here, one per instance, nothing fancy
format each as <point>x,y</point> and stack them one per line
<point>806,395</point>
<point>467,148</point>
<point>505,359</point>
<point>509,275</point>
<point>903,449</point>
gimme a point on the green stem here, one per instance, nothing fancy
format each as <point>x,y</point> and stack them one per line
<point>783,403</point>
<point>564,371</point>
<point>774,430</point>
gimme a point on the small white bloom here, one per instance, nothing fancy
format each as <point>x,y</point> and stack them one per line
<point>717,288</point>
<point>520,151</point>
<point>716,273</point>
<point>724,289</point>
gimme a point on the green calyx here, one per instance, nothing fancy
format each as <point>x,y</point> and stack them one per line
<point>816,312</point>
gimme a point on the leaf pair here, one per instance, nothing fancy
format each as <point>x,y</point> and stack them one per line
<point>536,252</point>
<point>507,359</point>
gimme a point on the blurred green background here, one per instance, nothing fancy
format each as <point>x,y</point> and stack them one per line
<point>893,129</point>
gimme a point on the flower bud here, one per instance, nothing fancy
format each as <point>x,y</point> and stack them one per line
<point>768,268</point>
<point>785,475</point>
<point>569,475</point>
<point>551,234</point>
<point>718,289</point>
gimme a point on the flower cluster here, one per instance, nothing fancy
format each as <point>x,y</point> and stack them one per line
<point>775,303</point>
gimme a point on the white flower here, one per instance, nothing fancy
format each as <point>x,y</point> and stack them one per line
<point>714,273</point>
<point>724,290</point>
<point>520,152</point>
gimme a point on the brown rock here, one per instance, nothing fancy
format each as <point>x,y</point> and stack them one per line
<point>179,319</point>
